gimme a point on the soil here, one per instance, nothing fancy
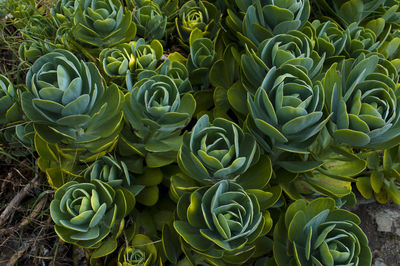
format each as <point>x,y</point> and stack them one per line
<point>385,246</point>
<point>26,238</point>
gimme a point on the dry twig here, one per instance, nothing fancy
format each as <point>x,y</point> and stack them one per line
<point>12,206</point>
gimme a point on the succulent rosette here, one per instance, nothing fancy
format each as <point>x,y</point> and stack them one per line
<point>25,134</point>
<point>150,21</point>
<point>64,11</point>
<point>102,23</point>
<point>222,222</point>
<point>202,57</point>
<point>10,109</point>
<point>115,60</point>
<point>383,179</point>
<point>200,15</point>
<point>114,173</point>
<point>17,131</point>
<point>293,48</point>
<point>156,113</point>
<point>69,104</point>
<point>360,40</point>
<point>146,56</point>
<point>121,61</point>
<point>29,51</point>
<point>348,11</point>
<point>362,96</point>
<point>318,233</point>
<point>264,19</point>
<point>140,251</point>
<point>178,72</point>
<point>330,38</point>
<point>86,213</point>
<point>221,150</point>
<point>286,111</point>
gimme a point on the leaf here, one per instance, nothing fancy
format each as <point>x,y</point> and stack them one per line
<point>191,235</point>
<point>299,166</point>
<point>351,137</point>
<point>170,243</point>
<point>149,196</point>
<point>393,192</point>
<point>107,247</point>
<point>195,35</point>
<point>364,186</point>
<point>330,186</point>
<point>236,94</point>
<point>221,99</point>
<point>257,176</point>
<point>150,177</point>
<point>263,198</point>
<point>377,178</point>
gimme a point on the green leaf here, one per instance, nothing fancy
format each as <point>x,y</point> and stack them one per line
<point>351,137</point>
<point>191,235</point>
<point>393,192</point>
<point>107,247</point>
<point>171,244</point>
<point>236,94</point>
<point>330,186</point>
<point>300,166</point>
<point>258,175</point>
<point>377,178</point>
<point>149,196</point>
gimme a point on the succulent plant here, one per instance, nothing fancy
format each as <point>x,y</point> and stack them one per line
<point>10,108</point>
<point>286,111</point>
<point>29,51</point>
<point>64,11</point>
<point>140,251</point>
<point>146,56</point>
<point>264,19</point>
<point>25,134</point>
<point>318,233</point>
<point>383,179</point>
<point>289,114</point>
<point>329,37</point>
<point>362,96</point>
<point>201,58</point>
<point>16,131</point>
<point>360,40</point>
<point>338,169</point>
<point>212,152</point>
<point>157,112</point>
<point>178,72</point>
<point>293,48</point>
<point>114,173</point>
<point>121,61</point>
<point>348,11</point>
<point>150,21</point>
<point>102,23</point>
<point>390,48</point>
<point>86,213</point>
<point>70,106</point>
<point>389,12</point>
<point>222,222</point>
<point>197,14</point>
<point>115,60</point>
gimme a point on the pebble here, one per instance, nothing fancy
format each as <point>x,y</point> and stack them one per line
<point>388,220</point>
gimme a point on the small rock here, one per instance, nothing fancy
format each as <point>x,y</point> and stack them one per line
<point>388,221</point>
<point>379,262</point>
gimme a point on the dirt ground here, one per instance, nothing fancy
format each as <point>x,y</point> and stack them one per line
<point>27,236</point>
<point>385,246</point>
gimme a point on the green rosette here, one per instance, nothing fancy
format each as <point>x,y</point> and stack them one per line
<point>86,213</point>
<point>318,233</point>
